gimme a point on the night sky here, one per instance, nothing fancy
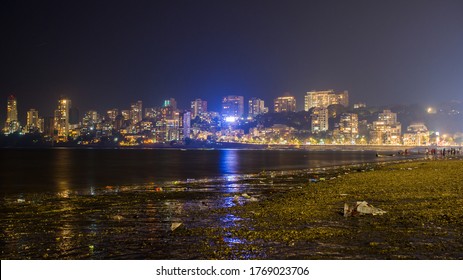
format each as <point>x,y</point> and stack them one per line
<point>109,54</point>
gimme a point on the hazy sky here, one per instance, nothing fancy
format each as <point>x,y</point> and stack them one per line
<point>108,54</point>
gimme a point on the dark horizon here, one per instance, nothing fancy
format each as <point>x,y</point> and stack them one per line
<point>105,55</point>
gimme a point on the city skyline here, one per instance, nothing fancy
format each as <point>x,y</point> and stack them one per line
<point>383,53</point>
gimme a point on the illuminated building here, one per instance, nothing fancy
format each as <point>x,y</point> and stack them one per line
<point>386,130</point>
<point>136,112</point>
<point>284,104</point>
<point>256,107</point>
<point>12,123</point>
<point>61,124</point>
<point>319,120</point>
<point>112,114</point>
<point>90,119</point>
<point>387,117</point>
<point>170,103</point>
<point>325,98</point>
<point>185,124</point>
<point>32,123</point>
<point>348,126</point>
<point>360,105</point>
<point>151,113</point>
<point>125,114</point>
<point>232,107</point>
<point>41,125</point>
<point>198,107</point>
<point>417,135</point>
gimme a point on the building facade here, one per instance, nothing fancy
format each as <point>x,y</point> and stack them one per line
<point>198,106</point>
<point>319,120</point>
<point>325,98</point>
<point>256,106</point>
<point>61,120</point>
<point>232,107</point>
<point>12,124</point>
<point>386,130</point>
<point>32,123</point>
<point>284,104</point>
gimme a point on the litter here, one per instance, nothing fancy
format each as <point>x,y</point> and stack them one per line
<point>245,195</point>
<point>361,208</point>
<point>175,225</point>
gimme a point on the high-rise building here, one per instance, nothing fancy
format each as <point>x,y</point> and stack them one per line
<point>232,107</point>
<point>136,112</point>
<point>325,98</point>
<point>285,104</point>
<point>348,125</point>
<point>61,125</point>
<point>256,107</point>
<point>91,118</point>
<point>125,114</point>
<point>151,113</point>
<point>12,123</point>
<point>32,124</point>
<point>198,107</point>
<point>111,114</point>
<point>171,102</point>
<point>185,124</point>
<point>319,119</point>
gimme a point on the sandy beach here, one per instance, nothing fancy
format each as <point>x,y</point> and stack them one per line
<point>422,199</point>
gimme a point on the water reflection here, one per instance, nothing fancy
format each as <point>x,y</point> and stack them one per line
<point>229,162</point>
<point>62,171</point>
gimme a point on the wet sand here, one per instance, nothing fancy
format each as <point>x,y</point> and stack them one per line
<point>269,215</point>
<point>424,219</point>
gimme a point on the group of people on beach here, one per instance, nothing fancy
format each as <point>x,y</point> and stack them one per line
<point>442,152</point>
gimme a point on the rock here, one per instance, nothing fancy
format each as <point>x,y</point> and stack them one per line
<point>361,208</point>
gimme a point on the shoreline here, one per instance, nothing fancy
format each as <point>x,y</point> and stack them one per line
<point>306,222</point>
<point>239,146</point>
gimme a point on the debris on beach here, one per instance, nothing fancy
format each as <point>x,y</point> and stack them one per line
<point>236,198</point>
<point>117,217</point>
<point>175,225</point>
<point>245,195</point>
<point>361,208</point>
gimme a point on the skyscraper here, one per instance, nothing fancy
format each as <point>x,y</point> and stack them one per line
<point>232,107</point>
<point>185,124</point>
<point>348,125</point>
<point>136,112</point>
<point>198,107</point>
<point>256,107</point>
<point>319,119</point>
<point>32,120</point>
<point>12,123</point>
<point>285,104</point>
<point>171,102</point>
<point>61,125</point>
<point>111,114</point>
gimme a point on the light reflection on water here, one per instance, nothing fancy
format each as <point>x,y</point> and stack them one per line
<point>117,220</point>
